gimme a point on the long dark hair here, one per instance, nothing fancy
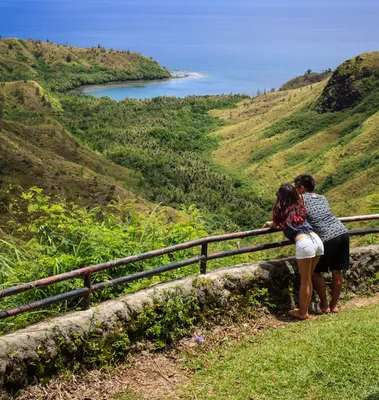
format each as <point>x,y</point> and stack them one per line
<point>288,208</point>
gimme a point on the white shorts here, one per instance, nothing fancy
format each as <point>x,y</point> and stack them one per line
<point>309,246</point>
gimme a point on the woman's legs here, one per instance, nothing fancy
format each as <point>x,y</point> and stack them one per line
<point>306,267</point>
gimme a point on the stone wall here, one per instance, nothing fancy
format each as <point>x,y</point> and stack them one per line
<point>42,349</point>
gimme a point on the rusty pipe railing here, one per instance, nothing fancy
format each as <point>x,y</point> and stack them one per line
<point>86,272</point>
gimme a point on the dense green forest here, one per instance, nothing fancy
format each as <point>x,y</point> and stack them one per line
<point>167,141</point>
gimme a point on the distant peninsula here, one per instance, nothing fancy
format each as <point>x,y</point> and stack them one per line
<point>59,67</point>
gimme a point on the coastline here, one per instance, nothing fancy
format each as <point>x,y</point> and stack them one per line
<point>175,75</point>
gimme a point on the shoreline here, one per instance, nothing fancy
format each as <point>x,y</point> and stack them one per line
<point>175,75</point>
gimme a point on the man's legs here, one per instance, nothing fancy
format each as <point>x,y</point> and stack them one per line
<point>319,285</point>
<point>337,281</point>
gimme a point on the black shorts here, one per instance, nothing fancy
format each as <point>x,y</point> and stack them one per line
<point>336,254</point>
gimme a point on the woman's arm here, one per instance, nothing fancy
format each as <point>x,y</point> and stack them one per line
<point>270,224</point>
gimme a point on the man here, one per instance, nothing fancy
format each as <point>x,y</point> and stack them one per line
<point>336,243</point>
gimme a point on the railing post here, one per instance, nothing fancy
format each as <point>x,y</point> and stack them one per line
<point>203,263</point>
<point>87,297</point>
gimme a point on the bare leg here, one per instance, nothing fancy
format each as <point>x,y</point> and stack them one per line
<point>320,288</point>
<point>337,281</point>
<point>305,270</point>
<point>313,266</point>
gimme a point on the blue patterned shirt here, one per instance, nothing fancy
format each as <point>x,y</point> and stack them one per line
<point>320,216</point>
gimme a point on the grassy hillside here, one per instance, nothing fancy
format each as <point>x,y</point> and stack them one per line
<point>61,67</point>
<point>156,148</point>
<point>36,150</point>
<point>308,78</point>
<point>313,129</point>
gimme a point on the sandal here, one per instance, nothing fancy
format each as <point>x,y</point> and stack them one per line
<point>316,308</point>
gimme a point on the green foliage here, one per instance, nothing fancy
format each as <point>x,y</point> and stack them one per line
<point>167,141</point>
<point>347,169</point>
<point>69,75</point>
<point>23,43</point>
<point>102,347</point>
<point>307,79</point>
<point>58,237</point>
<point>57,75</point>
<point>306,122</point>
<point>259,296</point>
<point>169,319</point>
<point>350,83</point>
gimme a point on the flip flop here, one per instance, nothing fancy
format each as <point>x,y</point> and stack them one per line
<point>316,308</point>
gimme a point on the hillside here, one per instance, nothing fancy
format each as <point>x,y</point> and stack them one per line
<point>308,78</point>
<point>199,150</point>
<point>329,129</point>
<point>158,149</point>
<point>36,150</point>
<point>218,159</point>
<point>60,67</point>
<point>352,82</point>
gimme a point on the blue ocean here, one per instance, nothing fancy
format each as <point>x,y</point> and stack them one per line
<point>223,46</point>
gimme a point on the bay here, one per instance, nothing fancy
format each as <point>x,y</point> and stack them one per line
<point>238,46</point>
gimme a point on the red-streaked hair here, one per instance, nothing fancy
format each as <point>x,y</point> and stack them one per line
<point>288,208</point>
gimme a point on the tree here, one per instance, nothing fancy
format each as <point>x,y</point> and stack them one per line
<point>308,71</point>
<point>68,58</point>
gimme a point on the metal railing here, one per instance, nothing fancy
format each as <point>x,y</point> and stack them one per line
<point>202,259</point>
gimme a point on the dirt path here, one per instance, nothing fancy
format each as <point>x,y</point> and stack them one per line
<point>155,375</point>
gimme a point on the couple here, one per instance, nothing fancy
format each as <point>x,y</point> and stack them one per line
<point>322,242</point>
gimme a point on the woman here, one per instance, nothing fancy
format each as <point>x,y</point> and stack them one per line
<point>289,214</point>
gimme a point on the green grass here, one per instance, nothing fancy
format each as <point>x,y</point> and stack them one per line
<point>334,357</point>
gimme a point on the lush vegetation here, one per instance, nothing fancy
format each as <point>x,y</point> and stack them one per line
<point>351,82</point>
<point>285,133</point>
<point>334,357</point>
<point>218,157</point>
<point>46,237</point>
<point>307,79</point>
<point>60,67</point>
<point>167,141</point>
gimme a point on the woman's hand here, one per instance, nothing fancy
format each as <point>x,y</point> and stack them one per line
<point>270,224</point>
